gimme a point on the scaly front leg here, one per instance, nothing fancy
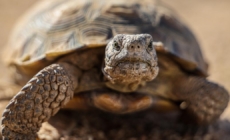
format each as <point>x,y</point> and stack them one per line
<point>204,101</point>
<point>38,100</point>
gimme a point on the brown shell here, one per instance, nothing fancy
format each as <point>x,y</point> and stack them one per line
<point>57,27</point>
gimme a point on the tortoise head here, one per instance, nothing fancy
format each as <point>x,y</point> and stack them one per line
<point>130,60</point>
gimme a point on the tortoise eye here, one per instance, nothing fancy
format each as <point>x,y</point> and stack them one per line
<point>150,46</point>
<point>116,46</point>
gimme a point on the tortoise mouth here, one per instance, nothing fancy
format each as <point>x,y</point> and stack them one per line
<point>132,62</point>
<point>129,75</point>
<point>130,71</point>
<point>133,65</point>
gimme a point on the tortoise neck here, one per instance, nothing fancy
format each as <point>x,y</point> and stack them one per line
<point>124,87</point>
<point>119,86</point>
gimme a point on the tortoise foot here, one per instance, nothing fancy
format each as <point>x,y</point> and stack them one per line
<point>205,101</point>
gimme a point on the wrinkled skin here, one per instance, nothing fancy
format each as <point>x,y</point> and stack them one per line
<point>131,60</point>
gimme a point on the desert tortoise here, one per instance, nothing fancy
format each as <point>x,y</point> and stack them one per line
<point>102,54</point>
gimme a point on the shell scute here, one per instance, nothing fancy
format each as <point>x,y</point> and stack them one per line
<point>59,27</point>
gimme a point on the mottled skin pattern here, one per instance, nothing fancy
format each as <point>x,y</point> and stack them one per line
<point>130,61</point>
<point>53,87</point>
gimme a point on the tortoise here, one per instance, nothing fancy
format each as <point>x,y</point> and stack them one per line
<point>117,56</point>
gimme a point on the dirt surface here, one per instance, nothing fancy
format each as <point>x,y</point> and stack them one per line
<point>209,20</point>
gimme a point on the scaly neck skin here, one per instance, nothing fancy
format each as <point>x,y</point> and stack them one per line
<point>126,88</point>
<point>122,85</point>
<point>130,61</point>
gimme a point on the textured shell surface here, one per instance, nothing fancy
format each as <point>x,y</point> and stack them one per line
<point>57,27</point>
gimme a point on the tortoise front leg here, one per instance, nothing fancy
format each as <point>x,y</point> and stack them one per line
<point>204,101</point>
<point>42,97</point>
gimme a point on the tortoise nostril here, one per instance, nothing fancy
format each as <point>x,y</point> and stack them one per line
<point>132,47</point>
<point>138,47</point>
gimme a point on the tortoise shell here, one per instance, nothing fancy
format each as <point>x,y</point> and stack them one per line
<point>58,27</point>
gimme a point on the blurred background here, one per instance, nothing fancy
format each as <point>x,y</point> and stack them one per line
<point>209,20</point>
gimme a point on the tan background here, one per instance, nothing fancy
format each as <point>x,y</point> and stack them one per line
<point>209,19</point>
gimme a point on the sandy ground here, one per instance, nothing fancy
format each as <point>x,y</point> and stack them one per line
<point>209,19</point>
